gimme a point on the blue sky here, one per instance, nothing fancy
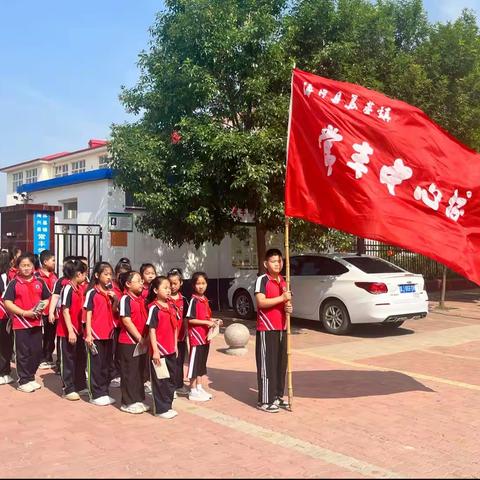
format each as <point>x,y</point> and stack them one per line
<point>62,64</point>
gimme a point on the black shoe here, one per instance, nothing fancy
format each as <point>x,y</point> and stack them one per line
<point>281,403</point>
<point>183,391</point>
<point>265,407</point>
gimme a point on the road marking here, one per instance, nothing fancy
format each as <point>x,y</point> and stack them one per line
<point>421,376</point>
<point>283,440</point>
<point>463,357</point>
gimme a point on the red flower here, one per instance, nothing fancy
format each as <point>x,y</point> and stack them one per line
<point>175,137</point>
<point>389,253</point>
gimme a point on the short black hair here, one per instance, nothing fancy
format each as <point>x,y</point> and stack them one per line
<point>144,266</point>
<point>196,276</point>
<point>272,252</point>
<point>82,258</point>
<point>69,258</point>
<point>73,267</point>
<point>175,272</point>
<point>46,255</point>
<point>25,256</point>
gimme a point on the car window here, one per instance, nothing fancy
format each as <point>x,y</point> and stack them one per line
<point>294,267</point>
<point>320,266</point>
<point>373,265</point>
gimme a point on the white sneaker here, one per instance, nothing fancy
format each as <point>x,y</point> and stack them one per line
<point>101,401</point>
<point>111,400</point>
<point>26,387</point>
<point>115,382</point>
<point>148,387</point>
<point>72,396</point>
<point>5,379</point>
<point>145,407</point>
<point>84,392</point>
<point>167,415</point>
<point>45,366</point>
<point>35,385</point>
<point>197,396</point>
<point>201,390</point>
<point>134,408</point>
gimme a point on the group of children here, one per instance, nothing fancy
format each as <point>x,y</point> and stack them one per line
<point>121,327</point>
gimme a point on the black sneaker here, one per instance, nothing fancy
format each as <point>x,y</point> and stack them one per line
<point>265,407</point>
<point>281,403</point>
<point>183,391</point>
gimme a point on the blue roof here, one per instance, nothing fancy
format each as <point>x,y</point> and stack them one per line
<point>90,176</point>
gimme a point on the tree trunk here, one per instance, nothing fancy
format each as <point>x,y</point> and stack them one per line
<point>444,288</point>
<point>261,248</point>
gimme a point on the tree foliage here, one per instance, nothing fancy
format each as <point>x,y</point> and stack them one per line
<point>217,75</point>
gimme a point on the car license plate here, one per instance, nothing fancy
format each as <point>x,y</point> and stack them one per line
<point>407,288</point>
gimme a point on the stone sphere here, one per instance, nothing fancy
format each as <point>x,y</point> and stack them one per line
<point>236,335</point>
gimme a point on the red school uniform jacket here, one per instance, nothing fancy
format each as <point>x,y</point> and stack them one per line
<point>119,294</point>
<point>50,281</point>
<point>3,286</point>
<point>26,294</point>
<point>164,321</point>
<point>198,308</point>
<point>132,306</point>
<point>73,299</point>
<point>272,318</point>
<point>145,291</point>
<point>12,273</point>
<point>100,305</point>
<point>179,307</point>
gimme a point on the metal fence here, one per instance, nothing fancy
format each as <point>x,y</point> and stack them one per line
<point>77,239</point>
<point>413,262</point>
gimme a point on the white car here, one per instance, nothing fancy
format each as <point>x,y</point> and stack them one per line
<point>341,290</point>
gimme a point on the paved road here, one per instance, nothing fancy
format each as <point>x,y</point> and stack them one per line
<point>376,403</point>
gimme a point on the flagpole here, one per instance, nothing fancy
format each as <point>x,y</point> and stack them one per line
<point>287,267</point>
<point>289,349</point>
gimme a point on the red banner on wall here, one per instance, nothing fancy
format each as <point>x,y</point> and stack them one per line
<point>361,162</point>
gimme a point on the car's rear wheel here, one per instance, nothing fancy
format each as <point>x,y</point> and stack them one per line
<point>393,324</point>
<point>243,305</point>
<point>335,318</point>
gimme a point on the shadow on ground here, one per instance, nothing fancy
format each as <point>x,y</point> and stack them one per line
<point>242,385</point>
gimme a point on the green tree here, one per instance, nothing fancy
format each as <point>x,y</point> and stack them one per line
<point>217,73</point>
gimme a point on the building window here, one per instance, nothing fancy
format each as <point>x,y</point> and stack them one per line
<point>61,170</point>
<point>31,176</point>
<point>131,203</point>
<point>17,180</point>
<point>70,210</point>
<point>78,167</point>
<point>103,161</point>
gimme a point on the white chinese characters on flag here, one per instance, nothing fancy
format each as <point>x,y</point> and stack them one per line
<point>361,162</point>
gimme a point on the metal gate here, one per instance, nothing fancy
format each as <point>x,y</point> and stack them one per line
<point>77,239</point>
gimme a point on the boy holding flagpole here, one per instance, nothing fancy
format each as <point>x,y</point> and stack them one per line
<point>273,303</point>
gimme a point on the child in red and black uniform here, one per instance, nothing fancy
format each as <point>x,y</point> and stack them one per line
<point>178,302</point>
<point>47,273</point>
<point>133,316</point>
<point>23,294</point>
<point>100,304</point>
<point>120,268</point>
<point>200,321</point>
<point>148,273</point>
<point>6,335</point>
<point>54,310</point>
<point>273,300</point>
<point>162,324</point>
<point>73,358</point>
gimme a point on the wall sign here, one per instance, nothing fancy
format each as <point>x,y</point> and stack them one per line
<point>41,232</point>
<point>120,222</point>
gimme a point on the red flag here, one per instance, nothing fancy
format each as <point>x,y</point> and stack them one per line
<point>361,162</point>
